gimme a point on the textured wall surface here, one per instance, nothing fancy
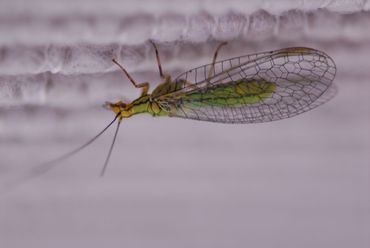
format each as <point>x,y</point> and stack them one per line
<point>299,182</point>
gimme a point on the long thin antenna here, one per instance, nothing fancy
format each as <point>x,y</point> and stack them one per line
<point>45,167</point>
<point>48,165</point>
<point>110,150</point>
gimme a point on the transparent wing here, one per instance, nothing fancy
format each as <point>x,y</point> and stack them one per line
<point>300,76</point>
<point>200,74</point>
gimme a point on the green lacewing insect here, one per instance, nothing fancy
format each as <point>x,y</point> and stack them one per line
<point>254,88</point>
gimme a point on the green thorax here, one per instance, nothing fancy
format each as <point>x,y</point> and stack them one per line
<point>148,104</point>
<point>145,104</point>
<point>139,105</point>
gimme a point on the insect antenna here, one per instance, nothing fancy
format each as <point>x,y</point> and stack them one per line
<point>50,164</point>
<point>45,167</point>
<point>110,150</point>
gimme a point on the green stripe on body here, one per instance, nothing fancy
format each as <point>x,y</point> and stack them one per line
<point>233,94</point>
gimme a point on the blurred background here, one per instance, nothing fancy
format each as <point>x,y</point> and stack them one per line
<point>299,182</point>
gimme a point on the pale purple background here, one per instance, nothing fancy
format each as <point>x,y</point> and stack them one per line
<point>299,182</point>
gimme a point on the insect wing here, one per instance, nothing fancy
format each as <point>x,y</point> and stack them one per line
<point>278,84</point>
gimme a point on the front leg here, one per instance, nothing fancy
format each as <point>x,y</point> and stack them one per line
<point>145,88</point>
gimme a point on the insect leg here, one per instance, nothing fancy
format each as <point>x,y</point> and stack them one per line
<point>165,76</point>
<point>145,85</point>
<point>212,69</point>
<point>158,59</point>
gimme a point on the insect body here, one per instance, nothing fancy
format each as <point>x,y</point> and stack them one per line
<point>254,88</point>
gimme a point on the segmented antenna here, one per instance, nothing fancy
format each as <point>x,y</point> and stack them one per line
<point>45,167</point>
<point>110,149</point>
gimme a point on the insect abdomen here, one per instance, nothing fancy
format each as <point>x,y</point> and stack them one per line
<point>236,94</point>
